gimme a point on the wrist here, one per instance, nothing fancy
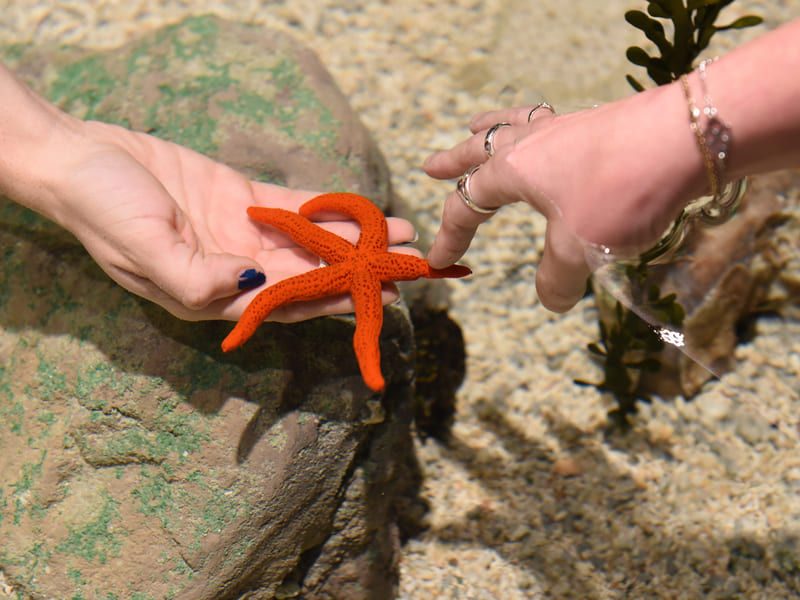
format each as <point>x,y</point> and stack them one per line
<point>37,144</point>
<point>677,173</point>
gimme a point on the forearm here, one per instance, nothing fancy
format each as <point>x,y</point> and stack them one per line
<point>37,141</point>
<point>755,90</point>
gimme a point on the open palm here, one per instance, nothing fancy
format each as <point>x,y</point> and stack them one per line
<point>170,225</point>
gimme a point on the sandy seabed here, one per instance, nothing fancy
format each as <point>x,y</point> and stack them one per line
<point>530,499</point>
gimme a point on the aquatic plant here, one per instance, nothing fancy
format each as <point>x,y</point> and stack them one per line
<point>693,26</point>
<point>628,344</point>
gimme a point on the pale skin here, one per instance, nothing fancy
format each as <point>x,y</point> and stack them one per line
<point>163,221</point>
<point>618,174</point>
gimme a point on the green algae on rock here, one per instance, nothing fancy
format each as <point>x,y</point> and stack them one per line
<point>145,464</point>
<point>252,98</point>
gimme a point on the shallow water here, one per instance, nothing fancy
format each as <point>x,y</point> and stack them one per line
<point>530,499</point>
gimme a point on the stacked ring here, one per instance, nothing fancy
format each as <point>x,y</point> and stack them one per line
<point>543,105</point>
<point>462,188</point>
<point>488,141</point>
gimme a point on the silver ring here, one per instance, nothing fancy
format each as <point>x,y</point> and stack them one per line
<point>544,105</point>
<point>462,188</point>
<point>488,141</point>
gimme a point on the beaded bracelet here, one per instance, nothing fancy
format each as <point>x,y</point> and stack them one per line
<point>723,200</point>
<point>713,142</point>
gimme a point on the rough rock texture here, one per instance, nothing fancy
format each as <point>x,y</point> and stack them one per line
<point>242,93</point>
<point>136,460</point>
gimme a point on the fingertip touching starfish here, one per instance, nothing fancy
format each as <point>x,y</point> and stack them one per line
<point>358,270</point>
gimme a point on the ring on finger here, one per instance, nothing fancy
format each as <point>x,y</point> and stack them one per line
<point>543,105</point>
<point>488,141</point>
<point>462,188</point>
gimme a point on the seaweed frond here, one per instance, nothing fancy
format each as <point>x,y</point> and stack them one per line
<point>693,26</point>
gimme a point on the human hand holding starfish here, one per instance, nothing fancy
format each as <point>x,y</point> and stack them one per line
<point>177,232</point>
<point>358,269</point>
<point>166,223</point>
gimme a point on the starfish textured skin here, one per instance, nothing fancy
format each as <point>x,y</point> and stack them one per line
<point>358,269</point>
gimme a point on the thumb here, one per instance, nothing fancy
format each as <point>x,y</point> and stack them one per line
<point>209,277</point>
<point>193,278</point>
<point>562,274</point>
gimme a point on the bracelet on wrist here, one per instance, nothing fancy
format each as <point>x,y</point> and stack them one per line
<point>713,137</point>
<point>714,140</point>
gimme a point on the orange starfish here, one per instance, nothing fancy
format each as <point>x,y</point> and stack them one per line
<point>358,269</point>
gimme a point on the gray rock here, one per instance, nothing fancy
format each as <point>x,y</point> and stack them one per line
<point>249,96</point>
<point>136,460</point>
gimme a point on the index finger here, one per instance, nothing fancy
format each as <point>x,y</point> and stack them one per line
<point>489,187</point>
<point>270,195</point>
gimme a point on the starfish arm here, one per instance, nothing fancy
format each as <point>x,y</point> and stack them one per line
<point>374,232</point>
<point>393,266</point>
<point>326,281</point>
<point>366,293</point>
<point>329,246</point>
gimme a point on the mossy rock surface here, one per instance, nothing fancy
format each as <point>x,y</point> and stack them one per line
<point>251,97</point>
<point>138,461</point>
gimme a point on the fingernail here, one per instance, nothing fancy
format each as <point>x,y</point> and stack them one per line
<point>415,239</point>
<point>251,278</point>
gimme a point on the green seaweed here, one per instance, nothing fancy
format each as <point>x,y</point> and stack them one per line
<point>47,419</point>
<point>289,81</point>
<point>218,509</point>
<point>203,372</point>
<point>239,549</point>
<point>172,435</point>
<point>693,26</point>
<point>251,105</point>
<point>176,431</point>
<point>205,26</point>
<point>630,345</point>
<point>203,43</point>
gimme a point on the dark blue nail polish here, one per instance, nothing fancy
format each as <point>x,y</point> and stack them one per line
<point>251,278</point>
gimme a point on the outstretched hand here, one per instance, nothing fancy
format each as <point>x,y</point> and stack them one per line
<point>603,176</point>
<point>170,225</point>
